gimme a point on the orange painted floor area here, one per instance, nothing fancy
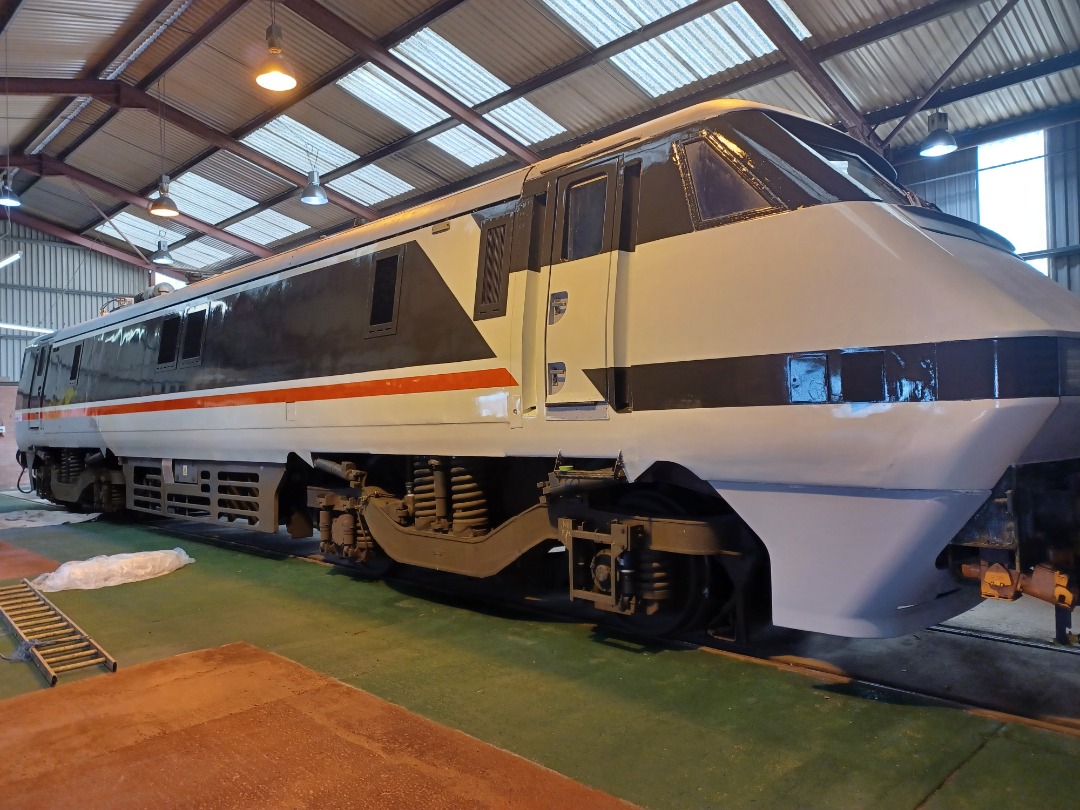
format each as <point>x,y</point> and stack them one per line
<point>239,727</point>
<point>16,563</point>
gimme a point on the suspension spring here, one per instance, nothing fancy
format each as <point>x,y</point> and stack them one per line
<point>654,575</point>
<point>470,507</point>
<point>423,492</point>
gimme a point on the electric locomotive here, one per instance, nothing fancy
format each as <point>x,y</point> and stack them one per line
<point>718,367</point>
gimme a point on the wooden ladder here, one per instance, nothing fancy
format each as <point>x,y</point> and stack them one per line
<point>56,644</point>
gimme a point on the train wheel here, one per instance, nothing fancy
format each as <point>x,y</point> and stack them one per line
<point>673,588</point>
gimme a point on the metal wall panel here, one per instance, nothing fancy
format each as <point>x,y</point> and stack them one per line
<point>1063,202</point>
<point>52,286</point>
<point>950,182</point>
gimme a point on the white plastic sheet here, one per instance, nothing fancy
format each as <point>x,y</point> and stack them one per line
<point>29,518</point>
<point>117,569</point>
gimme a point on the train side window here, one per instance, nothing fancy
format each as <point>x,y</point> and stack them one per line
<point>493,270</point>
<point>385,292</point>
<point>169,342</point>
<point>194,331</point>
<point>76,358</point>
<point>717,191</point>
<point>42,359</point>
<point>586,212</point>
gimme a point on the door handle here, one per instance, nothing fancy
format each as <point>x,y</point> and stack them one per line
<point>557,306</point>
<point>556,376</point>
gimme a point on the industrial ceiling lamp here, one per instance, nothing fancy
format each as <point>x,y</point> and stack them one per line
<point>313,193</point>
<point>8,197</point>
<point>162,205</point>
<point>938,141</point>
<point>162,255</point>
<point>275,72</point>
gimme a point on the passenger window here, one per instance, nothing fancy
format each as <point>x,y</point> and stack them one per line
<point>586,209</point>
<point>170,341</point>
<point>719,193</point>
<point>194,329</point>
<point>76,357</point>
<point>385,289</point>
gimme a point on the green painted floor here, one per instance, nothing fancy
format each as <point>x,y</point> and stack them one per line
<point>660,727</point>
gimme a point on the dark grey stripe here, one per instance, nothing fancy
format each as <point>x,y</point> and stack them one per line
<point>992,368</point>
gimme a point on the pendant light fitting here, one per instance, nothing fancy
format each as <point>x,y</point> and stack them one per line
<point>275,73</point>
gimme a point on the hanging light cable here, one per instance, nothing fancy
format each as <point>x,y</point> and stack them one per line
<point>162,205</point>
<point>8,197</point>
<point>275,73</point>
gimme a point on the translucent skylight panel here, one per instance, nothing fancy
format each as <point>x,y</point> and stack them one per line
<point>297,146</point>
<point>139,232</point>
<point>199,254</point>
<point>266,227</point>
<point>383,92</point>
<point>653,68</point>
<point>746,31</point>
<point>370,185</point>
<point>705,46</point>
<point>448,67</point>
<point>467,146</point>
<point>525,121</point>
<point>206,200</point>
<point>790,18</point>
<point>600,23</point>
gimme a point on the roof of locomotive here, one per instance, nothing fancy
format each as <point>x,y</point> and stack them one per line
<point>505,187</point>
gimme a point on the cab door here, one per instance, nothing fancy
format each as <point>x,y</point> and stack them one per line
<point>37,385</point>
<point>577,343</point>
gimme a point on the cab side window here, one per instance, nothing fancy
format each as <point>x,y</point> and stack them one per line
<point>718,191</point>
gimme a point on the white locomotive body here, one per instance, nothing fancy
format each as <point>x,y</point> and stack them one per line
<point>741,365</point>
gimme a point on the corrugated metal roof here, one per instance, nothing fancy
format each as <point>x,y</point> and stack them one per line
<point>298,146</point>
<point>477,49</point>
<point>227,60</point>
<point>58,199</point>
<point>60,39</point>
<point>376,18</point>
<point>127,150</point>
<point>370,185</point>
<point>536,40</point>
<point>237,174</point>
<point>206,200</point>
<point>266,227</point>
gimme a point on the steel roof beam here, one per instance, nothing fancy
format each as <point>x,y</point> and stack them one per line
<point>124,96</point>
<point>52,229</point>
<point>192,42</point>
<point>810,69</point>
<point>942,98</point>
<point>43,165</point>
<point>918,105</point>
<point>130,37</point>
<point>352,37</point>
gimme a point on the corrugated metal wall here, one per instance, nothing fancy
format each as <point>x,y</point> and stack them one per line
<point>950,182</point>
<point>1063,203</point>
<point>53,285</point>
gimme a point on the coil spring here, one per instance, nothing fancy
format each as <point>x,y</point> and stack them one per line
<point>470,508</point>
<point>654,575</point>
<point>72,463</point>
<point>423,491</point>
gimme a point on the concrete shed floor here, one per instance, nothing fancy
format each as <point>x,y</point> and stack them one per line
<point>655,726</point>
